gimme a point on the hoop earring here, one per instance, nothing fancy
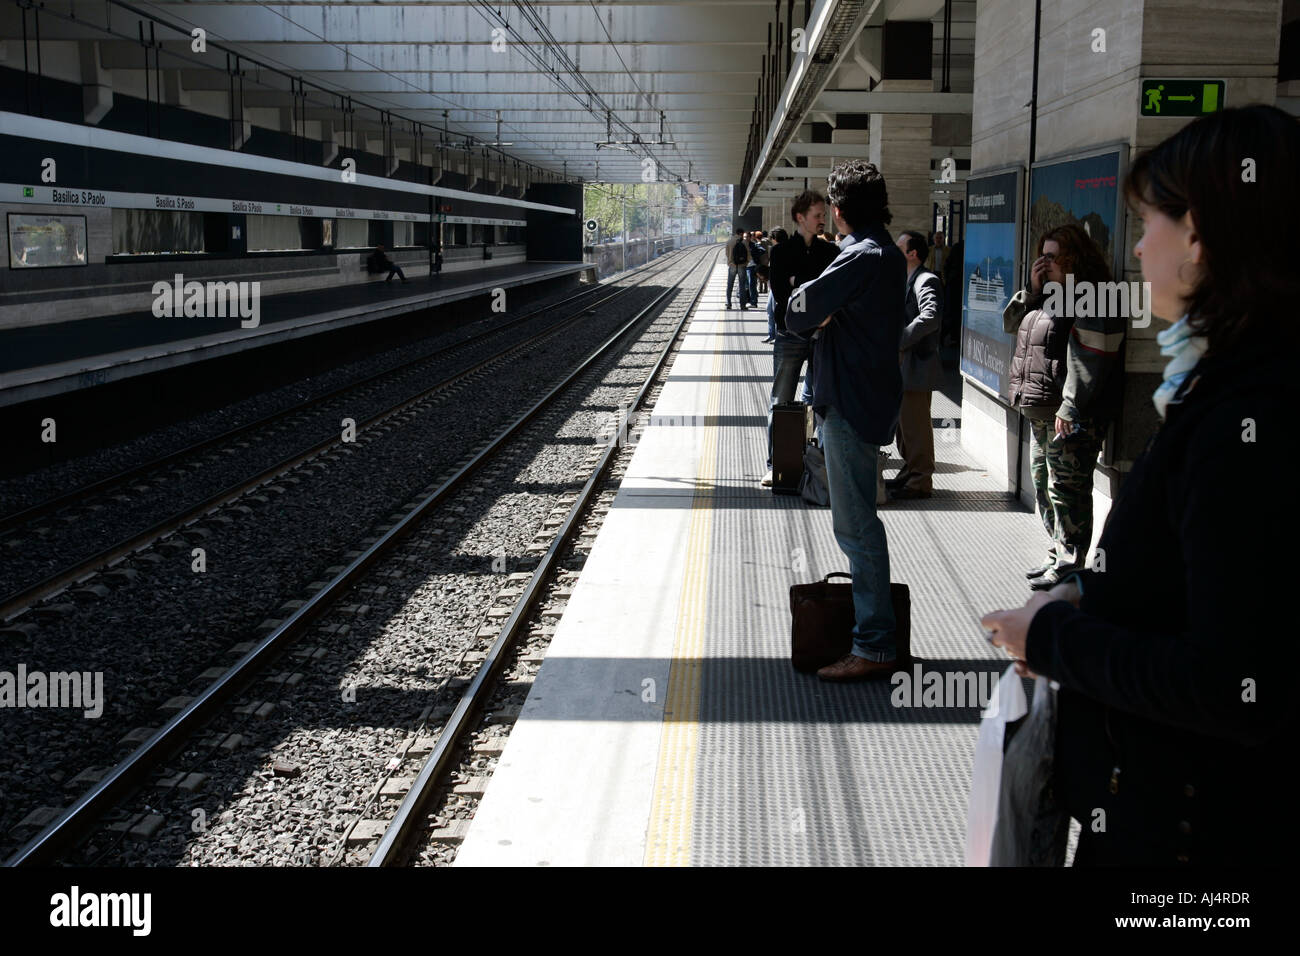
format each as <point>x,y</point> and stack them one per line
<point>1180,270</point>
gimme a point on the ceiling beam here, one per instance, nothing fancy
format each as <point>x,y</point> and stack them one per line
<point>847,101</point>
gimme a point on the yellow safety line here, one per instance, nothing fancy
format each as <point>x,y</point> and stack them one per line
<point>668,838</point>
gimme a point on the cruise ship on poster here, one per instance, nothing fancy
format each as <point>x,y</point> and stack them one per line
<point>986,297</point>
<point>987,290</point>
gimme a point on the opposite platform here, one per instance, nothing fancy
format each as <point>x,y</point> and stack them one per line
<point>666,725</point>
<point>42,360</point>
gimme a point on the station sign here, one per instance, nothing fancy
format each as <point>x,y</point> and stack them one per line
<point>1181,97</point>
<point>102,198</point>
<point>482,221</point>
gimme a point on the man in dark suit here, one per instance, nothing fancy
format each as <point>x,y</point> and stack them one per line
<point>922,371</point>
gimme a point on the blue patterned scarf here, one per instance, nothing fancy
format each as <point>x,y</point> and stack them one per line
<point>1184,348</point>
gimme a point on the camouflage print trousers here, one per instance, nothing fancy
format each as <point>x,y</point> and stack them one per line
<point>1062,471</point>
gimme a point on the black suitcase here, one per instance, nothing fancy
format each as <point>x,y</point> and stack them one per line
<point>789,436</point>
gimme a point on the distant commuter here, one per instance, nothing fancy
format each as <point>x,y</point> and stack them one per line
<point>737,260</point>
<point>1066,379</point>
<point>799,259</point>
<point>857,389</point>
<point>1175,710</point>
<point>775,238</point>
<point>378,262</point>
<point>938,255</point>
<point>922,371</point>
<point>953,271</point>
<point>757,257</point>
<point>765,248</point>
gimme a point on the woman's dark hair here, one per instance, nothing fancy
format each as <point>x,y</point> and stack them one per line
<point>779,235</point>
<point>858,189</point>
<point>1236,172</point>
<point>1079,254</point>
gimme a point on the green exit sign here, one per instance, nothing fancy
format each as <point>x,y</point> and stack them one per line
<point>29,192</point>
<point>1181,97</point>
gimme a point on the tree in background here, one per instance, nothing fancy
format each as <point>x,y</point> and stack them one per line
<point>648,205</point>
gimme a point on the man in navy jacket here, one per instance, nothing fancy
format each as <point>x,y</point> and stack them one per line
<point>858,389</point>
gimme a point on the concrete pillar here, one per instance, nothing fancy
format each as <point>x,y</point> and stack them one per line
<point>243,133</point>
<point>330,131</point>
<point>174,92</point>
<point>899,145</point>
<point>96,83</point>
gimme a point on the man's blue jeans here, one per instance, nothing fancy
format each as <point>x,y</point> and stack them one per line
<point>752,275</point>
<point>806,395</point>
<point>851,480</point>
<point>733,271</point>
<point>771,315</point>
<point>788,356</point>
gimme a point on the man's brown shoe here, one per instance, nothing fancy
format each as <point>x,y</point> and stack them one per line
<point>853,668</point>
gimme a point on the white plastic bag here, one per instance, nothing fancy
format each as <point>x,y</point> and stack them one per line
<point>1008,704</point>
<point>1031,828</point>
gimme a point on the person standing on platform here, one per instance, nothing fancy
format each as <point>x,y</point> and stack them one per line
<point>764,249</point>
<point>858,305</point>
<point>1175,715</point>
<point>937,258</point>
<point>1066,378</point>
<point>801,258</point>
<point>737,259</point>
<point>755,246</point>
<point>778,236</point>
<point>922,372</point>
<point>952,278</point>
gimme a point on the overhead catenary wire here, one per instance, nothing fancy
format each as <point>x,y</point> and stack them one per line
<point>649,101</point>
<point>572,83</point>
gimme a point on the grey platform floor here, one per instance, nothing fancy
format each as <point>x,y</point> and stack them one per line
<point>746,761</point>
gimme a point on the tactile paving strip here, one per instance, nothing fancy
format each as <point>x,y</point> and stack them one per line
<point>795,771</point>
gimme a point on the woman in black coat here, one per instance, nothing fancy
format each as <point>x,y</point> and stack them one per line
<point>1177,719</point>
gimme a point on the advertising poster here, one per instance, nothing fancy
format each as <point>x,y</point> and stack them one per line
<point>1083,190</point>
<point>989,275</point>
<point>41,241</point>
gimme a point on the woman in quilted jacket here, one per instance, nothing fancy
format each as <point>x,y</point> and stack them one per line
<point>1067,390</point>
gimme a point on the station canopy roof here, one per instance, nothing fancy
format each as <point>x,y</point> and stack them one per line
<point>561,76</point>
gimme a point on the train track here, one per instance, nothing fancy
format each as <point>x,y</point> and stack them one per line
<point>402,834</point>
<point>81,571</point>
<point>62,833</point>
